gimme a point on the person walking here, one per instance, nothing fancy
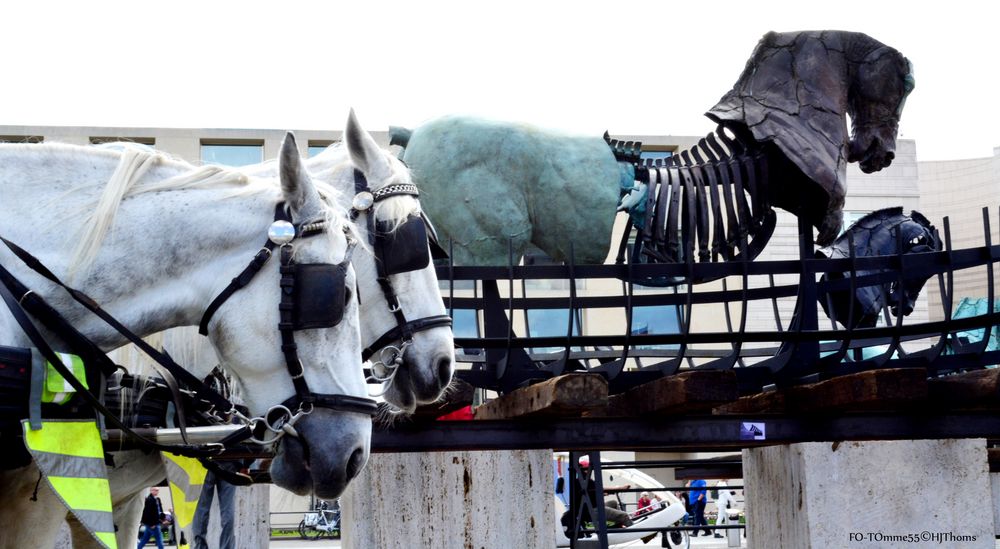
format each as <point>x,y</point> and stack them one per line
<point>214,485</point>
<point>152,515</point>
<point>699,497</point>
<point>725,501</point>
<point>227,495</point>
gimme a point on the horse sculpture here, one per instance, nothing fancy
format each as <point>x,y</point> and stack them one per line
<point>174,238</point>
<point>425,362</point>
<point>883,232</point>
<point>517,185</point>
<point>789,147</point>
<point>782,141</point>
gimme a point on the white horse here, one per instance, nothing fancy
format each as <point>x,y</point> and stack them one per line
<point>161,255</point>
<point>427,363</point>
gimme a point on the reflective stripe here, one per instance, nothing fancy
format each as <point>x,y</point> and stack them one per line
<point>188,473</point>
<point>58,465</point>
<point>185,476</point>
<point>70,456</point>
<point>57,390</point>
<point>69,438</point>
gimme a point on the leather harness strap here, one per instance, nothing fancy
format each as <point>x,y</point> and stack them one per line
<point>404,329</point>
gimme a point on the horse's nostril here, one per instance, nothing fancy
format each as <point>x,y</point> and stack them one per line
<point>889,156</point>
<point>355,464</point>
<point>444,370</point>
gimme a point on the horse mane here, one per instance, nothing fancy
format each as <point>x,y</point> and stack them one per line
<point>133,164</point>
<point>127,182</point>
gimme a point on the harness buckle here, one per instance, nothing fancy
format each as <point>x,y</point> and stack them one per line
<point>22,298</point>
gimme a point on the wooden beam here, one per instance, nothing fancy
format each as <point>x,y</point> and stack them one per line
<point>970,390</point>
<point>567,395</point>
<point>883,389</point>
<point>767,402</point>
<point>691,391</point>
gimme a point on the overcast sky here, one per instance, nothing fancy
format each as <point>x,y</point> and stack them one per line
<point>631,67</point>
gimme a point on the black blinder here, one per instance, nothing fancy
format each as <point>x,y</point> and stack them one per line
<point>437,251</point>
<point>320,295</point>
<point>404,249</point>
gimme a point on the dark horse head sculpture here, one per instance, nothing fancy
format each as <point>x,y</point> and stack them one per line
<point>880,233</point>
<point>795,93</point>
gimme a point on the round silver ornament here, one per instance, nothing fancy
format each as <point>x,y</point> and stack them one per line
<point>281,232</point>
<point>362,201</point>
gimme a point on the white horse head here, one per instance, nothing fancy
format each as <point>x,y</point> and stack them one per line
<point>428,361</point>
<point>175,238</point>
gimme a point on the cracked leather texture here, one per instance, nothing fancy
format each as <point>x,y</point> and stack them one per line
<point>795,92</point>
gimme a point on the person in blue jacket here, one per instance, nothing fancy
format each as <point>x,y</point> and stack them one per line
<point>698,497</point>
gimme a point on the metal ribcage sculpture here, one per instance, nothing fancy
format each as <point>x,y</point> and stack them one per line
<point>707,204</point>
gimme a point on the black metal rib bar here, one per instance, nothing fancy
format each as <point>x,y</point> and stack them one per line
<point>572,305</point>
<point>831,361</point>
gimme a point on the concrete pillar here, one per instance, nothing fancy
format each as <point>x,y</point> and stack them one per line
<point>466,500</point>
<point>869,494</point>
<point>251,518</point>
<point>995,491</point>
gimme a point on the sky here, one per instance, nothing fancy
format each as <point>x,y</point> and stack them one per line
<point>631,67</point>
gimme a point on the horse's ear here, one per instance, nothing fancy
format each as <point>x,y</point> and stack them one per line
<point>364,151</point>
<point>296,186</point>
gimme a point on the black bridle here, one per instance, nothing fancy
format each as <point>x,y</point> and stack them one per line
<point>312,296</point>
<point>300,283</point>
<point>408,248</point>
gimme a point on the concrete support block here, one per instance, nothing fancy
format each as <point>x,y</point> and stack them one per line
<point>995,491</point>
<point>250,520</point>
<point>459,500</point>
<point>869,494</point>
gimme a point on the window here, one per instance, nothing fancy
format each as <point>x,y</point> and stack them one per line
<point>655,319</point>
<point>655,153</point>
<point>232,153</point>
<point>148,141</point>
<point>317,146</point>
<point>550,323</point>
<point>465,323</point>
<point>21,139</point>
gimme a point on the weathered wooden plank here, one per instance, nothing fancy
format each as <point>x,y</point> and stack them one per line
<point>978,389</point>
<point>884,389</point>
<point>685,392</point>
<point>767,402</point>
<point>566,395</point>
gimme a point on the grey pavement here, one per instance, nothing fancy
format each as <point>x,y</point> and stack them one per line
<point>324,543</point>
<point>701,542</point>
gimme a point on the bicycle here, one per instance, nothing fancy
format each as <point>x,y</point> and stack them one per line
<point>321,521</point>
